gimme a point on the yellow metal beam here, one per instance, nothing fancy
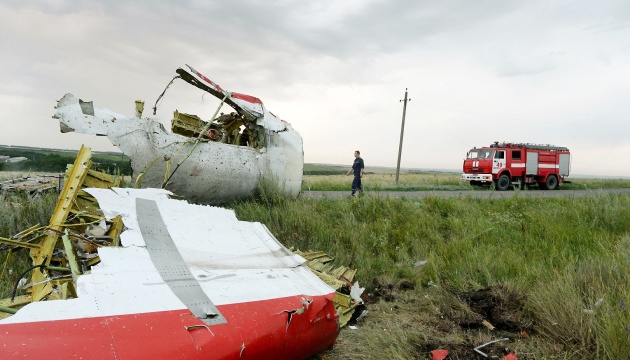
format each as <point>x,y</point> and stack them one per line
<point>18,243</point>
<point>67,197</point>
<point>115,230</point>
<point>72,260</point>
<point>17,301</point>
<point>27,232</point>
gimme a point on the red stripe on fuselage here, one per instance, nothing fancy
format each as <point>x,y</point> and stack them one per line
<point>248,98</point>
<point>216,86</point>
<point>259,330</point>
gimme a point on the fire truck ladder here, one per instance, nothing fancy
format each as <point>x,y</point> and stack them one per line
<point>533,146</point>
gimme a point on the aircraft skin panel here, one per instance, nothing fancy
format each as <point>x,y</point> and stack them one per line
<point>259,330</point>
<point>272,303</point>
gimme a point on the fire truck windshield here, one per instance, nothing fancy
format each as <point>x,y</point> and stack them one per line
<point>480,154</point>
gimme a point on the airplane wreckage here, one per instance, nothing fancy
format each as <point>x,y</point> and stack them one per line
<point>207,162</point>
<point>133,273</point>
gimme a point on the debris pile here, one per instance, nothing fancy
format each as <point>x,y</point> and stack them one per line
<point>477,323</point>
<point>31,185</point>
<point>126,262</point>
<point>68,246</point>
<point>348,295</point>
<point>231,128</point>
<point>199,159</point>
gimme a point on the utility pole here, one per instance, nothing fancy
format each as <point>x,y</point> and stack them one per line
<point>402,131</point>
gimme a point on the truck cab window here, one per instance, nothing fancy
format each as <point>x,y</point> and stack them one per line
<point>516,155</point>
<point>480,154</point>
<point>499,154</point>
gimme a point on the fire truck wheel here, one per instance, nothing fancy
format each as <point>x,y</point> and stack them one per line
<point>503,183</point>
<point>551,183</point>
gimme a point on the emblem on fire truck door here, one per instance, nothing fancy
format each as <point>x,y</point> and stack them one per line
<point>496,166</point>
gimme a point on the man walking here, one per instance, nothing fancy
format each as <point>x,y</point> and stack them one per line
<point>357,168</point>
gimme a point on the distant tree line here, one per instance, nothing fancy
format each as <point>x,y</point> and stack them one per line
<point>48,161</point>
<point>324,172</point>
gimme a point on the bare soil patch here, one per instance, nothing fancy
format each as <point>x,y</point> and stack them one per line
<point>408,322</point>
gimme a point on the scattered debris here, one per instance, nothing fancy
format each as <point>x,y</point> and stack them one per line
<point>347,298</point>
<point>199,159</point>
<point>420,263</point>
<point>487,325</point>
<point>355,293</point>
<point>124,263</point>
<point>478,348</point>
<point>362,314</point>
<point>597,304</point>
<point>439,354</point>
<point>509,354</point>
<point>32,185</point>
<point>497,305</point>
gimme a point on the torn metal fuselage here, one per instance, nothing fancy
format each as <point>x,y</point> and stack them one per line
<point>133,274</point>
<point>180,287</point>
<point>229,159</point>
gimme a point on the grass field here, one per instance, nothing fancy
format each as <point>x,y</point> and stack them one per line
<point>548,273</point>
<point>540,265</point>
<point>432,181</point>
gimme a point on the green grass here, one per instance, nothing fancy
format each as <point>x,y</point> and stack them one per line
<point>386,182</point>
<point>562,255</point>
<point>579,184</point>
<point>54,160</point>
<point>17,213</point>
<point>322,169</point>
<point>429,181</point>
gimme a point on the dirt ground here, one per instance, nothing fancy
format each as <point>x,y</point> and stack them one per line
<point>408,323</point>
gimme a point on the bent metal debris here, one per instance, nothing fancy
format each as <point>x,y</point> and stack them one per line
<point>133,273</point>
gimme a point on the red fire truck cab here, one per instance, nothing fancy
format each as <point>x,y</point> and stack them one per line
<point>505,164</point>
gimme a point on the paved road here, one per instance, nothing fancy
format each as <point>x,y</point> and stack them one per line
<point>487,194</point>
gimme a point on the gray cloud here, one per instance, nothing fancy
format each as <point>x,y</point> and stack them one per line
<point>533,71</point>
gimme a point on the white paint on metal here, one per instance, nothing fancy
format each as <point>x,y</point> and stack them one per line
<point>532,163</point>
<point>565,164</point>
<point>214,173</point>
<point>233,261</point>
<point>478,177</point>
<point>497,166</point>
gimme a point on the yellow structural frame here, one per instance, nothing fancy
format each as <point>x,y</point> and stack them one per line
<point>43,253</point>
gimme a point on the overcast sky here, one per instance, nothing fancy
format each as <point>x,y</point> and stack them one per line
<point>538,71</point>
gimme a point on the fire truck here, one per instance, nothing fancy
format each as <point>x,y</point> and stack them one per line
<point>505,164</point>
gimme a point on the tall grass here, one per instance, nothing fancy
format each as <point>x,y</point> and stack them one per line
<point>17,213</point>
<point>431,181</point>
<point>386,182</point>
<point>563,254</point>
